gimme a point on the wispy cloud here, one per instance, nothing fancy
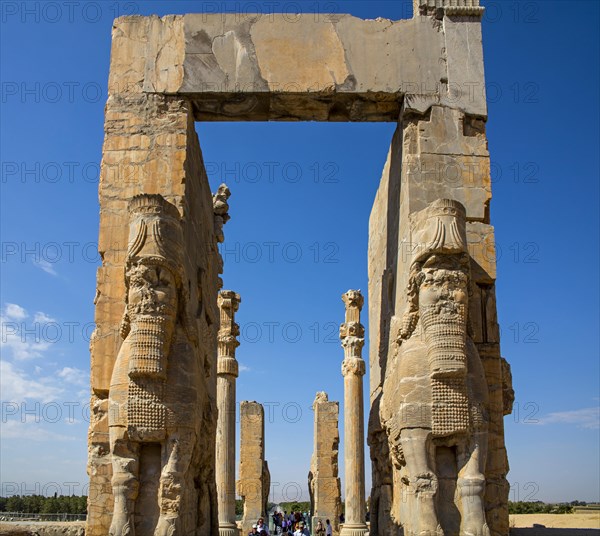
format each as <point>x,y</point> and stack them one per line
<point>244,368</point>
<point>12,311</point>
<point>42,318</point>
<point>588,418</point>
<point>46,266</point>
<point>22,338</point>
<point>74,376</point>
<point>16,386</point>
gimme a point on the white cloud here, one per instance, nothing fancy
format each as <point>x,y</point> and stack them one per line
<point>42,318</point>
<point>13,311</point>
<point>46,266</point>
<point>17,387</point>
<point>588,418</point>
<point>24,340</point>
<point>244,368</point>
<point>74,376</point>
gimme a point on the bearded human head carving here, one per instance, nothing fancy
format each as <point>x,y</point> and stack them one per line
<point>435,394</point>
<point>438,287</point>
<point>153,281</point>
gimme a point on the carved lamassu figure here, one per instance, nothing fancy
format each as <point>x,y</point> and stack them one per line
<point>435,400</point>
<point>156,392</point>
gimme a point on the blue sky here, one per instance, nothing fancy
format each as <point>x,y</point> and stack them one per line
<point>301,198</point>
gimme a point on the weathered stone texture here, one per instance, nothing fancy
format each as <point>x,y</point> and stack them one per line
<point>227,372</point>
<point>442,153</point>
<point>151,147</point>
<point>301,67</point>
<point>425,73</point>
<point>254,478</point>
<point>352,334</point>
<point>323,481</point>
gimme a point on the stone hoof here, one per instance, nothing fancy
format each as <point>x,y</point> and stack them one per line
<point>121,526</point>
<point>431,532</point>
<point>481,530</point>
<point>166,526</point>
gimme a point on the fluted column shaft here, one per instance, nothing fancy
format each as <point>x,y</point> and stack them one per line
<point>227,372</point>
<point>353,369</point>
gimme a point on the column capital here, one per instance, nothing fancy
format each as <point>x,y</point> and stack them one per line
<point>228,302</point>
<point>355,366</point>
<point>352,332</point>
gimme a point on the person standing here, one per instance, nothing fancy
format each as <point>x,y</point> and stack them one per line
<point>301,530</point>
<point>260,525</point>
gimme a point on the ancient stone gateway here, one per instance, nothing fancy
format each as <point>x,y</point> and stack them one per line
<point>431,261</point>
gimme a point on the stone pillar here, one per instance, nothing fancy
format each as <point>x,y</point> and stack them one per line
<point>323,480</point>
<point>227,372</point>
<point>352,334</point>
<point>151,147</point>
<point>253,468</point>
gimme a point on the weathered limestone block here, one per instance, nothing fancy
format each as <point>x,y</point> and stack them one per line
<point>323,481</point>
<point>300,67</point>
<point>252,485</point>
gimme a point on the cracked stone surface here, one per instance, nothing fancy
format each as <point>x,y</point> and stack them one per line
<point>301,67</point>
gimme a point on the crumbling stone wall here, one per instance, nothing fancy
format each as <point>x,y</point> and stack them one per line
<point>323,481</point>
<point>254,478</point>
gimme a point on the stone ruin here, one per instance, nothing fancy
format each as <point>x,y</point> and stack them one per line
<point>255,480</point>
<point>438,458</point>
<point>323,481</point>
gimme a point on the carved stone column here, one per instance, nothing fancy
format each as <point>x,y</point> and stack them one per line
<point>352,334</point>
<point>227,372</point>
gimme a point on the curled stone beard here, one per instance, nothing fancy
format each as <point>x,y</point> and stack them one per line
<point>150,341</point>
<point>445,328</point>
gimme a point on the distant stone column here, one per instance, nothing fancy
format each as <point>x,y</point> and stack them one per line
<point>254,474</point>
<point>323,480</point>
<point>352,334</point>
<point>227,372</point>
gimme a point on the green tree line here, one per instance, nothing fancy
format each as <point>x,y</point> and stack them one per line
<point>538,507</point>
<point>38,504</point>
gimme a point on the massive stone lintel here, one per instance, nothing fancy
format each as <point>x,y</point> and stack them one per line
<point>305,67</point>
<point>323,481</point>
<point>254,478</point>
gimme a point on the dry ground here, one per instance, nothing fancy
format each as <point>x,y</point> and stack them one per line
<point>74,528</point>
<point>580,524</point>
<point>586,520</point>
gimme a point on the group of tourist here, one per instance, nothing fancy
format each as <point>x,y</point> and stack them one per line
<point>294,523</point>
